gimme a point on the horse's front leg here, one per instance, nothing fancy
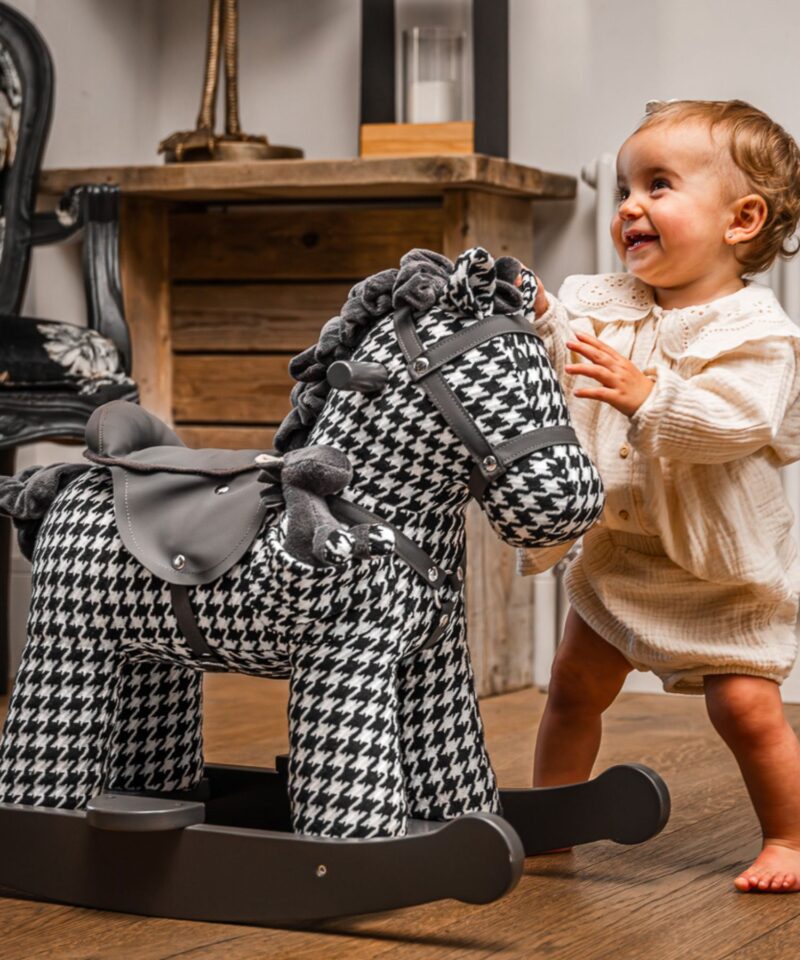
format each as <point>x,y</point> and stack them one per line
<point>345,771</point>
<point>446,766</point>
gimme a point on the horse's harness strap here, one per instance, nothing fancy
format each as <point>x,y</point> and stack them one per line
<point>517,448</point>
<point>438,391</point>
<point>457,344</point>
<point>425,368</point>
<point>187,622</point>
<point>416,558</point>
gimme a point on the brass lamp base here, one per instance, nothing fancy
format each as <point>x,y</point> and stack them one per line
<point>202,146</point>
<point>242,151</point>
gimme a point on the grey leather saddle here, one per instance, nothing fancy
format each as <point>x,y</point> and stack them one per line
<point>186,515</point>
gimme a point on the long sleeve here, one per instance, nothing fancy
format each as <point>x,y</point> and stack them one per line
<point>734,406</point>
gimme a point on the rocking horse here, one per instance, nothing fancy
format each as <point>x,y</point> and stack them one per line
<point>336,561</point>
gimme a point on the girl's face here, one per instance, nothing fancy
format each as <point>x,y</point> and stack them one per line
<point>676,190</point>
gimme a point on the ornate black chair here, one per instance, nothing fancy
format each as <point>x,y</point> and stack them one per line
<point>52,374</point>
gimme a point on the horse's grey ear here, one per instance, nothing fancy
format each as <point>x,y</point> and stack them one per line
<point>361,377</point>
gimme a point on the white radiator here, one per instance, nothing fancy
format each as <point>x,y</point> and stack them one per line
<point>550,598</point>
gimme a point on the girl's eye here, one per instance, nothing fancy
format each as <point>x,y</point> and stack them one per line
<point>659,184</point>
<point>621,194</point>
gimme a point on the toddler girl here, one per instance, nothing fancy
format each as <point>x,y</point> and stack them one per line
<point>683,386</point>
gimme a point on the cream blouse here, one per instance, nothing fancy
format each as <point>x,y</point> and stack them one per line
<point>697,464</point>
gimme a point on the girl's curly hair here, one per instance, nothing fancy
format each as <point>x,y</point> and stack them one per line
<point>767,156</point>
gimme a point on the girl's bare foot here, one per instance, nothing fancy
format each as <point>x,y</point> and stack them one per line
<point>748,714</point>
<point>775,870</point>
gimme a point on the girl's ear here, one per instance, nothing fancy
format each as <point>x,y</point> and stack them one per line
<point>749,214</point>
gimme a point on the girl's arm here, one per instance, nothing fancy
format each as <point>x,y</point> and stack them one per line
<point>732,408</point>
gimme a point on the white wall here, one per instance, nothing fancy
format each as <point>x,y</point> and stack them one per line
<point>129,72</point>
<point>582,70</point>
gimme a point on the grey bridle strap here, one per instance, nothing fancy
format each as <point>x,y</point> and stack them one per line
<point>457,344</point>
<point>517,448</point>
<point>425,368</point>
<point>415,557</point>
<point>438,391</point>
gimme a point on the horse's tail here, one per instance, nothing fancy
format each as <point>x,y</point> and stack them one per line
<point>28,495</point>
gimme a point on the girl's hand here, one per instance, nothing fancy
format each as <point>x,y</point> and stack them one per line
<point>623,385</point>
<point>540,303</point>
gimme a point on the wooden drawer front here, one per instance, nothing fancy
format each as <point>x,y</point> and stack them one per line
<point>231,388</point>
<point>240,317</point>
<point>227,438</point>
<point>299,242</point>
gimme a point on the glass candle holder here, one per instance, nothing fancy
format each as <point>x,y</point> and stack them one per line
<point>433,75</point>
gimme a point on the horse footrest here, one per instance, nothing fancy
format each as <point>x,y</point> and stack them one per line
<point>136,814</point>
<point>628,803</point>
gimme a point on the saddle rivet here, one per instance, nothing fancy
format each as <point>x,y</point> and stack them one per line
<point>321,870</point>
<point>421,364</point>
<point>490,463</point>
<point>444,620</point>
<point>265,459</point>
<point>179,561</point>
<point>222,488</point>
<point>433,574</point>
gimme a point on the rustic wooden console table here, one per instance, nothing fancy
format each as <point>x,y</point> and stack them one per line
<point>230,269</point>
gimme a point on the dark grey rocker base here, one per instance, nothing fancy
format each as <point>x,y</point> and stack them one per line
<point>228,855</point>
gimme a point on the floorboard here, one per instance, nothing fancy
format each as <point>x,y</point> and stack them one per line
<point>670,898</point>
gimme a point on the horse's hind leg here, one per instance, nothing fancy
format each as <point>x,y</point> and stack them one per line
<point>55,740</point>
<point>157,731</point>
<point>447,769</point>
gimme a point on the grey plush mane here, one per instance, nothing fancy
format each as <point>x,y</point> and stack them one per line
<point>477,285</point>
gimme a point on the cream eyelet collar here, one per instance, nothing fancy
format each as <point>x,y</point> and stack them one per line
<point>703,331</point>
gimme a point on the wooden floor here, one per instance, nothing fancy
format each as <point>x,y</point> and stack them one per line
<point>669,898</point>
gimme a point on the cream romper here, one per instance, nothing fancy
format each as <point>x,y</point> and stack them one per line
<point>692,569</point>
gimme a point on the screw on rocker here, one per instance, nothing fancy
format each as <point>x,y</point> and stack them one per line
<point>335,561</point>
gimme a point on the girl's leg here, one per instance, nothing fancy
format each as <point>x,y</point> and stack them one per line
<point>447,769</point>
<point>157,734</point>
<point>747,712</point>
<point>587,675</point>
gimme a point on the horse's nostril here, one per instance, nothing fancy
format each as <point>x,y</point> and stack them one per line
<point>362,377</point>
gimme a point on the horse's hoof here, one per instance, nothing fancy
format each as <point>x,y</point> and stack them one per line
<point>337,548</point>
<point>381,540</point>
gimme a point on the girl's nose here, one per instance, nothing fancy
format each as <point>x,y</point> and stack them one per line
<point>630,208</point>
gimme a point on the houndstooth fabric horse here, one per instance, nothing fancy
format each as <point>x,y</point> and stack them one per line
<point>382,726</point>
